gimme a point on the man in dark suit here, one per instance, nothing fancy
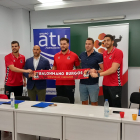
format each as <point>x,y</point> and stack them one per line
<point>36,87</point>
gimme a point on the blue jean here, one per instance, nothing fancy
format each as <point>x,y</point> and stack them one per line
<point>89,90</point>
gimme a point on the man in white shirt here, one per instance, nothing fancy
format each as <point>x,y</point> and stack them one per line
<point>36,87</point>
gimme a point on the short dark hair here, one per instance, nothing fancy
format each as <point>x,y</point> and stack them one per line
<point>89,38</point>
<point>110,36</point>
<point>66,39</point>
<point>14,42</point>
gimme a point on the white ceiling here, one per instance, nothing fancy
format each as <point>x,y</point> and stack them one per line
<point>29,4</point>
<point>16,4</point>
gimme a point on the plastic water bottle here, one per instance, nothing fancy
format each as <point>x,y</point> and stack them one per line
<point>106,108</point>
<point>12,97</point>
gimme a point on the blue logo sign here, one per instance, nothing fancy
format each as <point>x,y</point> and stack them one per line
<point>49,42</point>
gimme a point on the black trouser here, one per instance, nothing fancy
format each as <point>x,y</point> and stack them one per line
<point>113,94</point>
<point>66,91</point>
<point>18,90</point>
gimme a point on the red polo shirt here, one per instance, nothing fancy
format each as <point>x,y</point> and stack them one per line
<point>14,78</point>
<point>66,62</point>
<point>115,79</point>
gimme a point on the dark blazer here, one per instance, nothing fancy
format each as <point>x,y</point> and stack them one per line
<point>44,65</point>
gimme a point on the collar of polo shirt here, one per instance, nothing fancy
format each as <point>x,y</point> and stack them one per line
<point>92,52</point>
<point>15,57</point>
<point>111,50</point>
<point>65,53</point>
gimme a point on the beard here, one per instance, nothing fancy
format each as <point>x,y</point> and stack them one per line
<point>64,50</point>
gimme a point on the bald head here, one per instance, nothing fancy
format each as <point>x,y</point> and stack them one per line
<point>36,51</point>
<point>36,47</point>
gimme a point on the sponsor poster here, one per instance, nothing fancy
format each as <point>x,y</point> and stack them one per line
<point>120,32</point>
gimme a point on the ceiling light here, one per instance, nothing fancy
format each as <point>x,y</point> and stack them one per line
<point>77,21</point>
<point>51,4</point>
<point>94,19</point>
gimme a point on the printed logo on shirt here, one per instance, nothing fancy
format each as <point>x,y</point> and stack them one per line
<point>21,61</point>
<point>117,96</point>
<point>58,57</point>
<point>68,57</point>
<point>73,90</point>
<point>110,57</point>
<point>104,56</point>
<point>7,92</point>
<point>14,60</point>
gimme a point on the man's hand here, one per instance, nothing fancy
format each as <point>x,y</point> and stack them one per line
<point>29,71</point>
<point>31,75</point>
<point>94,75</point>
<point>92,71</point>
<point>24,83</point>
<point>54,68</point>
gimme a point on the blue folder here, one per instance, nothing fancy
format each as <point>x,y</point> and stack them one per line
<point>16,102</point>
<point>1,102</point>
<point>139,113</point>
<point>42,105</point>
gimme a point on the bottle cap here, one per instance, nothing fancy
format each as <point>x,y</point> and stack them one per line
<point>106,99</point>
<point>12,95</point>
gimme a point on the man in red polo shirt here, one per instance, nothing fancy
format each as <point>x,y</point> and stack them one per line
<point>14,63</point>
<point>113,65</point>
<point>65,60</point>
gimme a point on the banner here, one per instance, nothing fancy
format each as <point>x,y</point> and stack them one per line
<point>120,32</point>
<point>61,74</point>
<point>49,42</point>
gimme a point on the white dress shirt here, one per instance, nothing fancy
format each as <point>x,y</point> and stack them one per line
<point>35,62</point>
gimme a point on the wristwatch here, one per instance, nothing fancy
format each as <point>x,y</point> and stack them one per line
<point>98,74</point>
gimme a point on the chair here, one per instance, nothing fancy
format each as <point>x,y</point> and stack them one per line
<point>22,98</point>
<point>60,99</point>
<point>135,98</point>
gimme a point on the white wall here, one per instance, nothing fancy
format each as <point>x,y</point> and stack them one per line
<point>21,30</point>
<point>14,25</point>
<point>40,19</point>
<point>6,32</point>
<point>133,81</point>
<point>6,35</point>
